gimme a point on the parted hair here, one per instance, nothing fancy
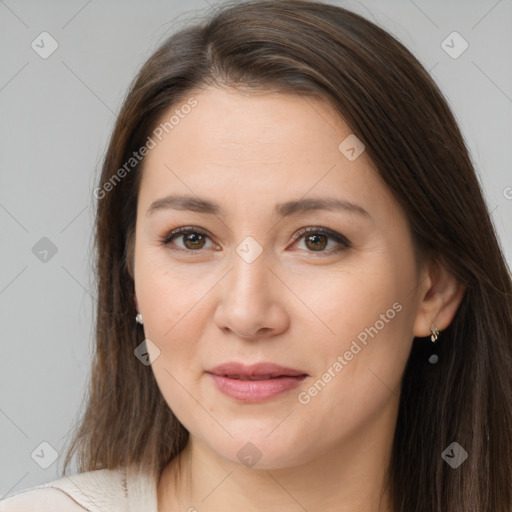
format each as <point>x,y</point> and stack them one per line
<point>393,106</point>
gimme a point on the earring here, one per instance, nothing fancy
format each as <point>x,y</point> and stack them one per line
<point>138,319</point>
<point>433,358</point>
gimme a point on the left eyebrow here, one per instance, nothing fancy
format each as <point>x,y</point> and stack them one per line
<point>287,209</point>
<point>320,203</point>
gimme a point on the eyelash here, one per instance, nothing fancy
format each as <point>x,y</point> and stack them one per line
<point>343,241</point>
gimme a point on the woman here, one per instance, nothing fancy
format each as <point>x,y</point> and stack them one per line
<point>302,301</point>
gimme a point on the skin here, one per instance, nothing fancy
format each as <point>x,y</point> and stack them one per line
<point>294,305</point>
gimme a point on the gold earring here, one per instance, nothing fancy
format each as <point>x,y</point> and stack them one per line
<point>434,335</point>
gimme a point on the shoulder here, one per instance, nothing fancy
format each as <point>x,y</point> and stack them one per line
<point>43,500</point>
<point>100,490</point>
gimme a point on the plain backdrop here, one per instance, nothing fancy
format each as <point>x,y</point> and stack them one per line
<point>56,114</point>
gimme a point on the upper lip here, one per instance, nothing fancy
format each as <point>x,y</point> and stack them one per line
<point>234,369</point>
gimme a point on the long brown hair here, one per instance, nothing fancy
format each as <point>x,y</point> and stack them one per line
<point>391,103</point>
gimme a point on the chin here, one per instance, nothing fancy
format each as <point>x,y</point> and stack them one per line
<point>258,450</point>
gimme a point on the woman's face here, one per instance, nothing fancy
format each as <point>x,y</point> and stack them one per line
<point>246,284</point>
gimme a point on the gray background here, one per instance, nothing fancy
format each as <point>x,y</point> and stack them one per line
<point>56,116</point>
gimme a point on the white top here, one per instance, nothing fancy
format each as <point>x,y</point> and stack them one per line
<point>103,490</point>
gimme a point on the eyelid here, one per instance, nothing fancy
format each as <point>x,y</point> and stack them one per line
<point>324,231</point>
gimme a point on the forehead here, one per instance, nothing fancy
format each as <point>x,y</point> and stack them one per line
<point>253,148</point>
<point>225,120</point>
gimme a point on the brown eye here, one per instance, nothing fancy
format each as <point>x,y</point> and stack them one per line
<point>192,239</point>
<point>196,240</point>
<point>316,240</point>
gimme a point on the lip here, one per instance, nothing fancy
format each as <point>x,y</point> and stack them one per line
<point>255,383</point>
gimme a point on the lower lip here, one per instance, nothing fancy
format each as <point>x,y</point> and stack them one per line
<point>255,390</point>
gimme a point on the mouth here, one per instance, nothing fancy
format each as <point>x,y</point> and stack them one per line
<point>255,383</point>
<point>254,377</point>
<point>258,371</point>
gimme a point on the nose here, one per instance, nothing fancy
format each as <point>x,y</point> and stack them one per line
<point>252,300</point>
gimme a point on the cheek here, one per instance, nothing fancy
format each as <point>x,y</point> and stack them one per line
<point>169,296</point>
<point>358,369</point>
<point>345,303</point>
<point>172,308</point>
<point>366,330</point>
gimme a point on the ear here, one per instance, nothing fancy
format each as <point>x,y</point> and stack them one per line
<point>136,302</point>
<point>440,295</point>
